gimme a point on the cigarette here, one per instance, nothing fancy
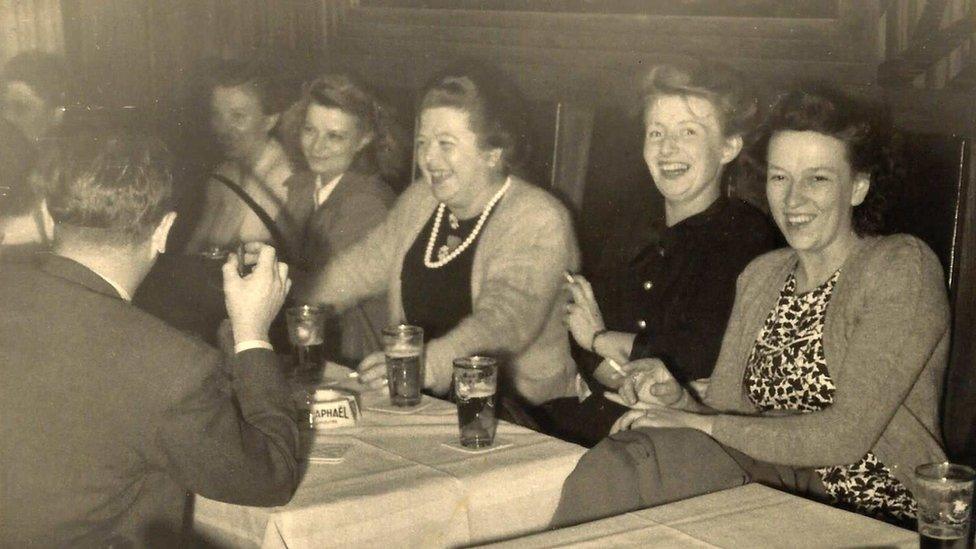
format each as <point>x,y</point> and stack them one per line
<point>613,364</point>
<point>353,375</point>
<point>569,278</point>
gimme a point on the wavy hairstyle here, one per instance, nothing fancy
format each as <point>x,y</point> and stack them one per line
<point>385,153</point>
<point>494,106</point>
<point>735,104</point>
<point>865,130</point>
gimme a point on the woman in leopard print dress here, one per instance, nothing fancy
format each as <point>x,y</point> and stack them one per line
<point>830,372</point>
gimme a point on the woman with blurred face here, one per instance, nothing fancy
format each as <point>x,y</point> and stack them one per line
<point>33,94</point>
<point>671,297</point>
<point>349,142</point>
<point>244,112</point>
<point>470,253</point>
<point>830,374</point>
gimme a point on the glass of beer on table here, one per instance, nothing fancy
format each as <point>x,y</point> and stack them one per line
<point>306,333</point>
<point>475,384</point>
<point>944,492</point>
<point>404,349</point>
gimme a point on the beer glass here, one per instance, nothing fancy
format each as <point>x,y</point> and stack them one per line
<point>944,492</point>
<point>404,349</point>
<point>306,327</point>
<point>475,383</point>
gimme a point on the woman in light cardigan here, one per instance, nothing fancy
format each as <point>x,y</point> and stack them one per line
<point>471,253</point>
<point>835,402</point>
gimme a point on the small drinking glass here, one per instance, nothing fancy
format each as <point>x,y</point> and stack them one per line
<point>475,384</point>
<point>944,492</point>
<point>404,349</point>
<point>306,333</point>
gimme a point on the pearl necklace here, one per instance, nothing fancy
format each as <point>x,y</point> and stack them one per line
<point>441,261</point>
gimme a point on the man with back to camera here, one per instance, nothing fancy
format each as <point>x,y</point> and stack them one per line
<point>107,415</point>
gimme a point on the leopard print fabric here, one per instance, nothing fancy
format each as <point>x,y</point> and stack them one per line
<point>787,371</point>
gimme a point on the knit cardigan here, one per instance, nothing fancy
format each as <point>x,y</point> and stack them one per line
<point>516,287</point>
<point>885,338</point>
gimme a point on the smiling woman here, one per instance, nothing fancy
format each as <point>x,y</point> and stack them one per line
<point>829,378</point>
<point>671,297</point>
<point>471,253</point>
<point>351,148</point>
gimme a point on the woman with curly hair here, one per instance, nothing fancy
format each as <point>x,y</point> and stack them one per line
<point>829,376</point>
<point>669,294</point>
<point>349,142</point>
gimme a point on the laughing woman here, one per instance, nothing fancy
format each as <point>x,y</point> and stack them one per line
<point>828,381</point>
<point>471,253</point>
<point>670,299</point>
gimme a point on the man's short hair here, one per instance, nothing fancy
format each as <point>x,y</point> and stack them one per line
<point>110,188</point>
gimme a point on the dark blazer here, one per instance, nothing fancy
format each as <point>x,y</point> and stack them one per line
<point>108,416</point>
<point>358,204</point>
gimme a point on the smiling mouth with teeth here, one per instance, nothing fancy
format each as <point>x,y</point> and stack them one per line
<point>438,176</point>
<point>673,169</point>
<point>799,219</point>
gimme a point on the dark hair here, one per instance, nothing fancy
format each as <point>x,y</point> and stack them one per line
<point>863,128</point>
<point>44,72</point>
<point>17,195</point>
<point>734,102</point>
<point>258,76</point>
<point>110,187</point>
<point>384,154</point>
<point>492,102</point>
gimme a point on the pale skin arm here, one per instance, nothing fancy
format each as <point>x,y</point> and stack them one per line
<point>584,320</point>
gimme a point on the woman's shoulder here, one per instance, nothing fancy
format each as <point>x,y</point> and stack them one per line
<point>530,202</point>
<point>769,263</point>
<point>371,185</point>
<point>894,253</point>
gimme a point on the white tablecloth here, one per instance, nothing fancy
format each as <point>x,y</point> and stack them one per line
<point>399,486</point>
<point>748,517</point>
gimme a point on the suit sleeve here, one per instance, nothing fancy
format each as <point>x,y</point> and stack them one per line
<point>235,438</point>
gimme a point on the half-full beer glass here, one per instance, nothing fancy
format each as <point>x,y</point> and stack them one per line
<point>475,383</point>
<point>404,349</point>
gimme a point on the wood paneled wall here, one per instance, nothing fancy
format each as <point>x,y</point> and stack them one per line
<point>143,52</point>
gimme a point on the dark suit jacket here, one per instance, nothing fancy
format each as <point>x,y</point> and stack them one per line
<point>358,204</point>
<point>108,416</point>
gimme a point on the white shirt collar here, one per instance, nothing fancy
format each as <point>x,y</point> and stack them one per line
<point>322,192</point>
<point>121,291</point>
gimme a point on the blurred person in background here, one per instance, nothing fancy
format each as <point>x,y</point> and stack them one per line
<point>33,94</point>
<point>25,225</point>
<point>245,197</point>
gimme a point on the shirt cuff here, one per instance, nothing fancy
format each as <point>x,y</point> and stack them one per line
<point>252,344</point>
